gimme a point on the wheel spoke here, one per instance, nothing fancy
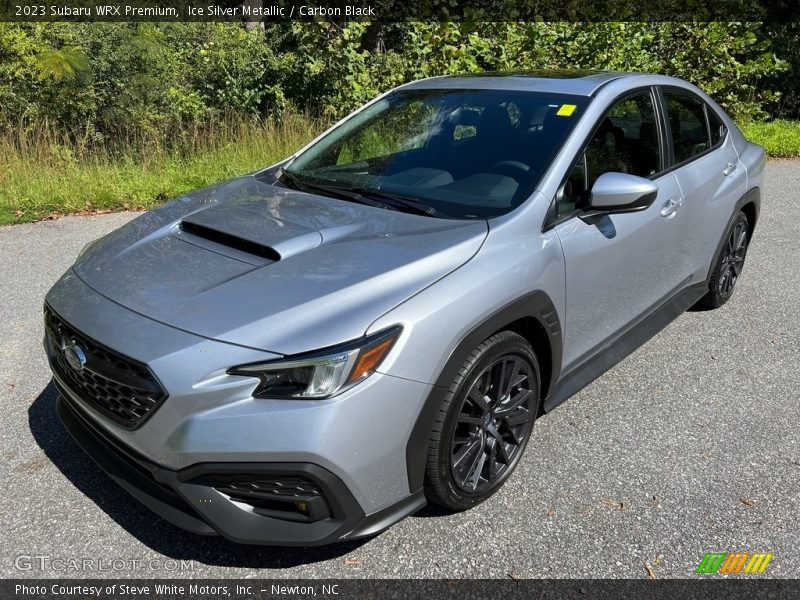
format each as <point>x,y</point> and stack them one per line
<point>462,418</point>
<point>478,398</point>
<point>725,279</point>
<point>476,469</point>
<point>498,374</point>
<point>518,380</point>
<point>492,475</point>
<point>469,448</point>
<point>514,402</point>
<point>518,417</point>
<point>499,441</point>
<point>515,437</point>
<point>740,238</point>
<point>501,448</point>
<point>513,377</point>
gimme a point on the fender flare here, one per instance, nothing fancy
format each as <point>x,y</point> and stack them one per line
<point>753,196</point>
<point>536,305</point>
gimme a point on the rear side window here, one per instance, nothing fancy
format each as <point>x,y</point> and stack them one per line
<point>687,120</point>
<point>717,127</point>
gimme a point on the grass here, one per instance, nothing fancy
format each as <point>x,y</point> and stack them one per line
<point>45,174</point>
<point>780,138</point>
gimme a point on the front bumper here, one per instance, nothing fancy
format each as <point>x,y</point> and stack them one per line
<point>185,499</point>
<point>211,417</point>
<point>354,442</point>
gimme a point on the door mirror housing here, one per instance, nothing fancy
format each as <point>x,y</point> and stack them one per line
<point>622,192</point>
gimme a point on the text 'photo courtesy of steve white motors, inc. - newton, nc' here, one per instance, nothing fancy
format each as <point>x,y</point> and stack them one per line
<point>202,590</point>
<point>196,11</point>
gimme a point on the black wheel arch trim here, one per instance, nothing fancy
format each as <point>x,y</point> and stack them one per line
<point>752,196</point>
<point>536,305</point>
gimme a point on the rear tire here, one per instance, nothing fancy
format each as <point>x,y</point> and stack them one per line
<point>484,423</point>
<point>729,265</point>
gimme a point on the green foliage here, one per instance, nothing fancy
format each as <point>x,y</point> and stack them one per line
<point>68,63</point>
<point>780,138</point>
<point>109,115</point>
<point>786,44</point>
<point>123,82</point>
<point>42,173</point>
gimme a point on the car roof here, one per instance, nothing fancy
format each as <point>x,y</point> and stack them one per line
<point>564,81</point>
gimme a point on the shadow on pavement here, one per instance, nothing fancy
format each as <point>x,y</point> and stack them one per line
<point>146,526</point>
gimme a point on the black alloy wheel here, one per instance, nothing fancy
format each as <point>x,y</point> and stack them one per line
<point>484,423</point>
<point>729,264</point>
<point>491,425</point>
<point>732,259</point>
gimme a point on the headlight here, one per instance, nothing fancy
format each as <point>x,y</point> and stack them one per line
<point>324,373</point>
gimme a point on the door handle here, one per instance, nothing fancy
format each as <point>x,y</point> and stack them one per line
<point>729,168</point>
<point>671,206</point>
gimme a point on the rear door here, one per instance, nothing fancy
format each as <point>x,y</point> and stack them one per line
<point>618,266</point>
<point>709,173</point>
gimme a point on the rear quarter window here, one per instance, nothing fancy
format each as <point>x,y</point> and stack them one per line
<point>716,127</point>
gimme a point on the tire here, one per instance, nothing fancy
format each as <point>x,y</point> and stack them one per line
<point>478,438</point>
<point>729,265</point>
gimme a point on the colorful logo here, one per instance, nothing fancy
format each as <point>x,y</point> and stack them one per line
<point>734,562</point>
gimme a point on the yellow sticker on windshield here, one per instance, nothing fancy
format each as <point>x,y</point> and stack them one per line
<point>566,110</point>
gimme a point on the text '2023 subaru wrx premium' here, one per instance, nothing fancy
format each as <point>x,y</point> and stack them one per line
<point>310,353</point>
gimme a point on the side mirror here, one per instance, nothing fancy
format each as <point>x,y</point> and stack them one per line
<point>621,192</point>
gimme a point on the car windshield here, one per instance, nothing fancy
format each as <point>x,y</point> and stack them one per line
<point>463,154</point>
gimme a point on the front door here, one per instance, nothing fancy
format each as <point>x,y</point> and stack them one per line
<point>619,266</point>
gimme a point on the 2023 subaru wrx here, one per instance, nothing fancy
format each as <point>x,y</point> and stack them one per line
<point>309,353</point>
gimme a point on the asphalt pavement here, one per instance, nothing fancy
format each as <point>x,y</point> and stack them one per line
<point>690,445</point>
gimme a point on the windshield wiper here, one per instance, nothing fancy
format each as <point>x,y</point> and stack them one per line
<point>409,203</point>
<point>337,191</point>
<point>362,195</point>
<point>287,177</point>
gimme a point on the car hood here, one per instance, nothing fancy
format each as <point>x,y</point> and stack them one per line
<point>257,265</point>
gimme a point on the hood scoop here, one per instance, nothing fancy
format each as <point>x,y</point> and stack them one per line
<point>217,237</point>
<point>246,234</point>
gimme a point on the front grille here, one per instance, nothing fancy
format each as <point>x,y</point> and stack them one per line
<point>118,387</point>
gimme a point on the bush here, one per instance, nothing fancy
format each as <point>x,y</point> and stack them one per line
<point>780,138</point>
<point>127,83</point>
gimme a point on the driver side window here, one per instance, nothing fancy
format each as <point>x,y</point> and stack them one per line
<point>626,141</point>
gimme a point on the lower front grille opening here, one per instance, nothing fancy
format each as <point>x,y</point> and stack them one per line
<point>280,497</point>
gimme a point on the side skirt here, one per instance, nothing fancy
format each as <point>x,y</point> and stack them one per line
<point>610,354</point>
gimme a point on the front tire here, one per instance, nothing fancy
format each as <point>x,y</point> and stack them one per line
<point>484,423</point>
<point>729,265</point>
